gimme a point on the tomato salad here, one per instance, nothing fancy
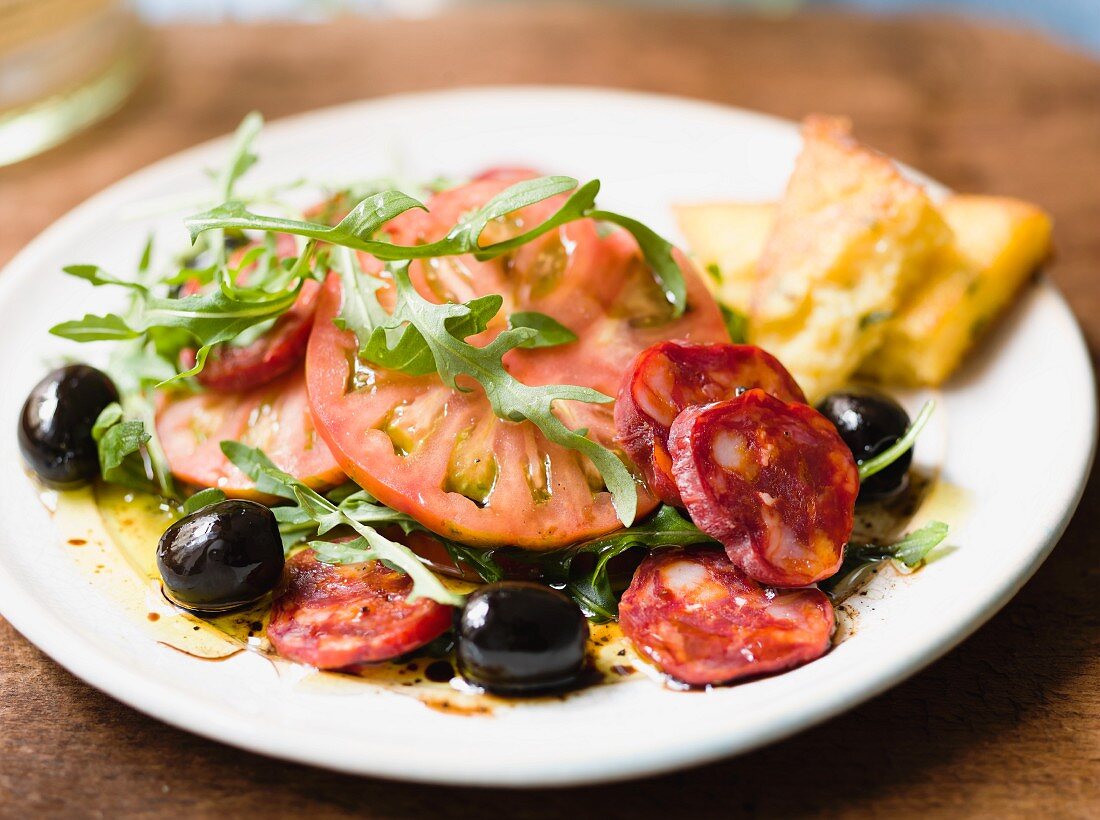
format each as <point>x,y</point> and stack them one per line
<point>477,418</point>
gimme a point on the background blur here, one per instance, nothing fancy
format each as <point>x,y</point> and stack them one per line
<point>1074,20</point>
<point>66,64</point>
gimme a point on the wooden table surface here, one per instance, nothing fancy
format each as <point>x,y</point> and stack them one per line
<point>1006,725</point>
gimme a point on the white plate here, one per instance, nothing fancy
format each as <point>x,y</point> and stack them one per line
<point>650,152</point>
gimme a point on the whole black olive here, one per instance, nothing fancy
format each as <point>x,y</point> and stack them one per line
<point>55,427</point>
<point>518,638</point>
<point>869,422</point>
<point>222,557</point>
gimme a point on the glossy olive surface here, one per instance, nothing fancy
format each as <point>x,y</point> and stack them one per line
<point>517,638</point>
<point>55,426</point>
<point>224,556</point>
<point>869,422</point>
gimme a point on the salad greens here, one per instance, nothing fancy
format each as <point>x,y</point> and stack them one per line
<point>591,586</point>
<point>900,447</point>
<point>860,560</point>
<point>437,333</point>
<point>358,511</point>
<point>417,337</point>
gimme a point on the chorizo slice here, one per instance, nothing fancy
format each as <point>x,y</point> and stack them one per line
<point>703,622</point>
<point>772,480</point>
<point>669,376</point>
<point>334,616</point>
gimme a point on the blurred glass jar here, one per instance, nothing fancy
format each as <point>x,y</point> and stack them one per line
<point>64,64</point>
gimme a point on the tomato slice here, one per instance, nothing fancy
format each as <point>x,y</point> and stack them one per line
<point>441,455</point>
<point>333,617</point>
<point>274,417</point>
<point>669,376</point>
<point>703,622</point>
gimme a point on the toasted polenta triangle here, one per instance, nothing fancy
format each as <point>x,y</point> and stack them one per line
<point>851,238</point>
<point>998,243</point>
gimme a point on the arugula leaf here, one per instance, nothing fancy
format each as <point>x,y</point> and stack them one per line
<point>203,498</point>
<point>657,252</point>
<point>899,448</point>
<point>208,319</point>
<point>591,586</point>
<point>98,276</point>
<point>241,156</point>
<point>549,331</point>
<point>357,229</point>
<point>434,327</point>
<point>480,561</point>
<point>120,444</point>
<point>107,328</point>
<point>369,546</point>
<point>860,559</point>
<point>737,324</point>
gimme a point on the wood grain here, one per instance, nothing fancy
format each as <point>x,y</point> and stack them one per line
<point>1007,725</point>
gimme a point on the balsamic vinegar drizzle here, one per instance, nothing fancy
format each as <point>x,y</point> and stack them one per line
<point>113,533</point>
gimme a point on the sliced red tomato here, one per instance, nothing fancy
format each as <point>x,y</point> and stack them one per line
<point>703,622</point>
<point>772,480</point>
<point>441,455</point>
<point>274,417</point>
<point>333,616</point>
<point>669,376</point>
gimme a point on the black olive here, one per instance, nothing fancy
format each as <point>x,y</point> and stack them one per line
<point>517,638</point>
<point>221,557</point>
<point>55,427</point>
<point>869,422</point>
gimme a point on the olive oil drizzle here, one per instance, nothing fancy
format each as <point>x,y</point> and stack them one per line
<point>113,534</point>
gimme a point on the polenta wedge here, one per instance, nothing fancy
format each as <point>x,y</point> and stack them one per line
<point>727,239</point>
<point>851,239</point>
<point>998,244</point>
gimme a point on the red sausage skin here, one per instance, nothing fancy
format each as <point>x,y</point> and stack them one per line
<point>670,376</point>
<point>333,616</point>
<point>702,622</point>
<point>772,480</point>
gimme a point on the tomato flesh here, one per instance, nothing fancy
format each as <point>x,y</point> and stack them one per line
<point>441,455</point>
<point>274,417</point>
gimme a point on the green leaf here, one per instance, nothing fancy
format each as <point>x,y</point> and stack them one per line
<point>98,276</point>
<point>737,324</point>
<point>356,231</point>
<point>915,547</point>
<point>119,444</point>
<point>657,252</point>
<point>92,328</point>
<point>108,417</point>
<point>353,231</point>
<point>203,498</point>
<point>434,326</point>
<point>859,559</point>
<point>549,332</point>
<point>241,156</point>
<point>592,588</point>
<point>899,448</point>
<point>255,464</point>
<point>370,546</point>
<point>480,561</point>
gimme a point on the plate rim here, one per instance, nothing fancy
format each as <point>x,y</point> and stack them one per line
<point>44,628</point>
